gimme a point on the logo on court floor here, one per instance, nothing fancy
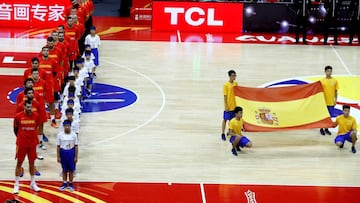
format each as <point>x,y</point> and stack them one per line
<point>104,97</point>
<point>250,196</point>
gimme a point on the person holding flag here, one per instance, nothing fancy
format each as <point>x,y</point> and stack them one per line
<point>229,101</point>
<point>330,86</point>
<point>347,129</point>
<point>236,126</point>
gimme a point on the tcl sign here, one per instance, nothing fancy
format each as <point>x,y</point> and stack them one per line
<point>195,16</point>
<point>203,16</point>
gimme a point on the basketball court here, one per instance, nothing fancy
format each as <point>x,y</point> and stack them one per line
<point>151,130</point>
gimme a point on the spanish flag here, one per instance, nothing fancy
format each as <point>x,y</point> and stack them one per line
<point>283,108</point>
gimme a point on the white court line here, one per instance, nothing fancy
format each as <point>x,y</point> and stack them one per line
<point>341,60</point>
<point>179,36</point>
<point>146,122</point>
<point>202,193</point>
<point>132,129</point>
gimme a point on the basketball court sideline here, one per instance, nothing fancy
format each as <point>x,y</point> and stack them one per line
<point>171,133</point>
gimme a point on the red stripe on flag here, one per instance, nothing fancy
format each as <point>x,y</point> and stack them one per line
<point>278,94</point>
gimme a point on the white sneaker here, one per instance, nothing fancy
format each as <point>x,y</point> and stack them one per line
<point>34,187</point>
<point>43,147</point>
<point>40,157</point>
<point>16,188</point>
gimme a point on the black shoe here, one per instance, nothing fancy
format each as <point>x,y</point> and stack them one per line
<point>327,131</point>
<point>341,146</point>
<point>238,149</point>
<point>63,187</point>
<point>223,137</point>
<point>70,187</point>
<point>353,150</point>
<point>233,151</point>
<point>322,132</point>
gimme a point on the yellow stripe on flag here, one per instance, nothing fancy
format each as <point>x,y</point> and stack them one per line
<point>292,114</point>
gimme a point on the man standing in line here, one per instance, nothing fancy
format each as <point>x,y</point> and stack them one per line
<point>67,155</point>
<point>51,68</point>
<point>354,27</point>
<point>332,8</point>
<point>302,9</point>
<point>26,125</point>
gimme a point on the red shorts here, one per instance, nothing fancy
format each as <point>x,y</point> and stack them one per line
<point>42,114</point>
<point>21,153</point>
<point>43,117</point>
<point>49,96</point>
<point>57,84</point>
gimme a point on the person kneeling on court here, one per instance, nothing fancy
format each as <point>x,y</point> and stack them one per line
<point>347,129</point>
<point>236,126</point>
<point>67,154</point>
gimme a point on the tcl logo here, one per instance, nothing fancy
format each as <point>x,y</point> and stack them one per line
<point>204,15</point>
<point>197,16</point>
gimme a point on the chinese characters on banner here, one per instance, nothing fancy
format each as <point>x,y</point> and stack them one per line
<point>32,14</point>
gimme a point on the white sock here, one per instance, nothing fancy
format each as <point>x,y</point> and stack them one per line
<point>56,105</point>
<point>32,179</point>
<point>52,117</point>
<point>40,137</point>
<point>17,179</point>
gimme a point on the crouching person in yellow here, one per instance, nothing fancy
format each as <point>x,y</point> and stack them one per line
<point>236,126</point>
<point>347,129</point>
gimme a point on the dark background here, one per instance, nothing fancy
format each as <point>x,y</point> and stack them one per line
<point>267,17</point>
<point>112,8</point>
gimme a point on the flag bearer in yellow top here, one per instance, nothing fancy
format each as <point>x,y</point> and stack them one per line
<point>330,86</point>
<point>347,129</point>
<point>236,126</point>
<point>229,101</point>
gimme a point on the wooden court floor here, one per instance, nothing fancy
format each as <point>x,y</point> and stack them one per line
<point>172,132</point>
